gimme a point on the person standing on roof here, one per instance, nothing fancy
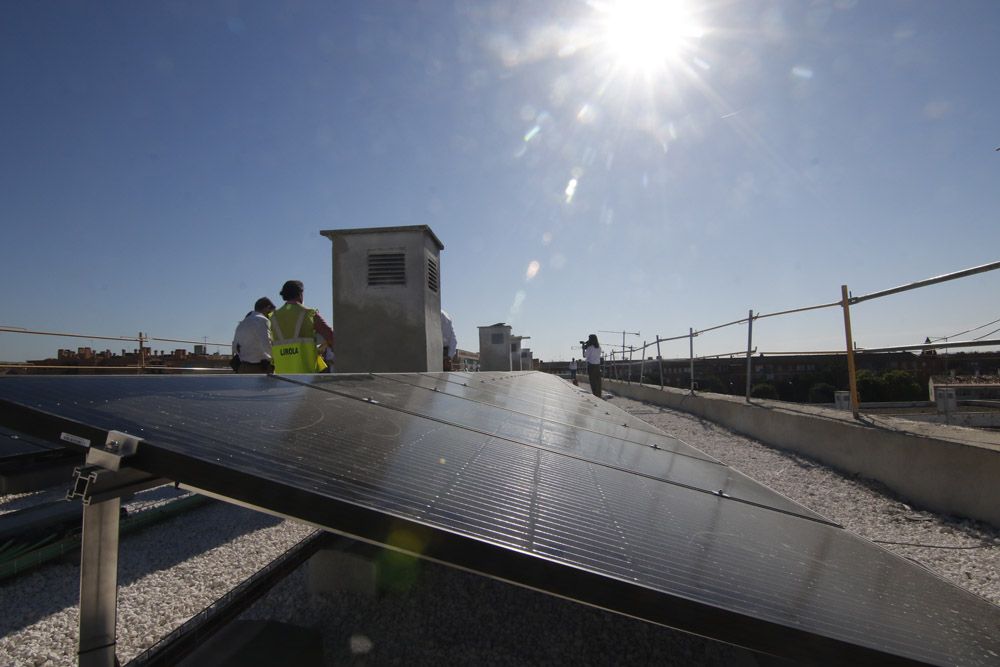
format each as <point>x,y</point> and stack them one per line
<point>592,355</point>
<point>449,340</point>
<point>294,327</point>
<point>252,340</point>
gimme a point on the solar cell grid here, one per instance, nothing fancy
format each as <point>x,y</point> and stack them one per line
<point>535,398</point>
<point>673,461</point>
<point>533,514</point>
<point>575,411</point>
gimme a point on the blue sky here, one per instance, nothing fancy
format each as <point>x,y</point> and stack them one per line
<point>162,165</point>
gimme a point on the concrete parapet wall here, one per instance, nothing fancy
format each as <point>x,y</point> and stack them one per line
<point>947,469</point>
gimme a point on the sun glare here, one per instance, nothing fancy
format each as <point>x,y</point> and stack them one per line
<point>649,34</point>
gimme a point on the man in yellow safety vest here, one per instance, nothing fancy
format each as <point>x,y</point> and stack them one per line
<point>294,328</point>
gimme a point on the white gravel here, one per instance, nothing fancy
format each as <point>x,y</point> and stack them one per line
<point>166,574</point>
<point>964,552</point>
<point>169,572</point>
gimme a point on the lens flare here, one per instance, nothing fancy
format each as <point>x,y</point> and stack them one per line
<point>570,190</point>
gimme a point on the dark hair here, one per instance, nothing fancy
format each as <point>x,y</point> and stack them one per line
<point>262,304</point>
<point>292,289</point>
<point>592,341</point>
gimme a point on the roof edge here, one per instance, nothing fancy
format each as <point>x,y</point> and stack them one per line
<point>330,233</point>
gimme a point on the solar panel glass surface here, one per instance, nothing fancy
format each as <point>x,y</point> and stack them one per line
<point>502,497</point>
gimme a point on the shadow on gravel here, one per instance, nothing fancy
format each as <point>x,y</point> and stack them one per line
<point>52,588</point>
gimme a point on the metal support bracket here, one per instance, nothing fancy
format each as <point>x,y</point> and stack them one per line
<point>94,484</point>
<point>117,446</point>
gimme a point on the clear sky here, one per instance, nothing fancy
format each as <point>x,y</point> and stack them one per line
<point>588,166</point>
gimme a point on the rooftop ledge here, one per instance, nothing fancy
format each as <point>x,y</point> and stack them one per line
<point>947,469</point>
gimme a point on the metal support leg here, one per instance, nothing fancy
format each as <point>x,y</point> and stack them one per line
<point>99,584</point>
<point>100,486</point>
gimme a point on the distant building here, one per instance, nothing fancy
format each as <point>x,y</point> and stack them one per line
<point>525,361</point>
<point>495,347</point>
<point>85,360</point>
<point>499,350</point>
<point>467,361</point>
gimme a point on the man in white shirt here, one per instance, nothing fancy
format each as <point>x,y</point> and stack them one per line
<point>252,340</point>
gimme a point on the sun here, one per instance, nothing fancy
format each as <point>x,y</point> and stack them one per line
<point>648,35</point>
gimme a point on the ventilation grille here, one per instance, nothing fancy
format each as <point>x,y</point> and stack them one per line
<point>432,274</point>
<point>386,268</point>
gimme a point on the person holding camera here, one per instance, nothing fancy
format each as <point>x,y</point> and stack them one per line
<point>592,355</point>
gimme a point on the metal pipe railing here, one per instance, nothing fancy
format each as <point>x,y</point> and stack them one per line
<point>859,350</point>
<point>67,335</point>
<point>143,337</point>
<point>140,366</point>
<point>983,268</point>
<point>797,310</point>
<point>195,369</point>
<point>850,350</point>
<point>931,346</point>
<point>852,299</point>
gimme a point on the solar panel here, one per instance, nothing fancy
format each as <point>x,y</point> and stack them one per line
<point>14,445</point>
<point>618,446</point>
<point>582,409</point>
<point>534,500</point>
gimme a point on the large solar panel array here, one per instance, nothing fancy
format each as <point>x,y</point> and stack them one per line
<point>521,477</point>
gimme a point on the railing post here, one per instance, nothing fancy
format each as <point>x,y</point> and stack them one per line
<point>749,351</point>
<point>659,358</point>
<point>629,364</point>
<point>642,363</point>
<point>851,375</point>
<point>142,355</point>
<point>691,346</point>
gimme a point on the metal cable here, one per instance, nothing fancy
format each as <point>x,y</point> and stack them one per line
<point>987,334</point>
<point>962,333</point>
